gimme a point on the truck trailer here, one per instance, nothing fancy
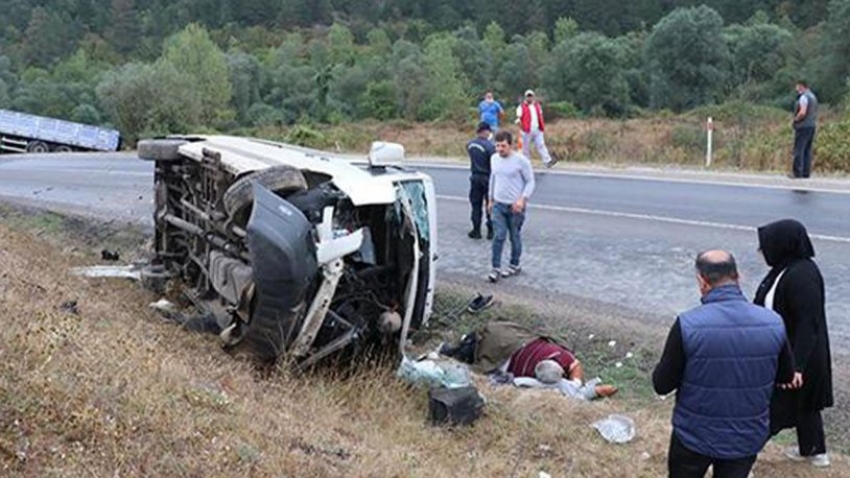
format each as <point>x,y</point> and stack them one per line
<point>26,133</point>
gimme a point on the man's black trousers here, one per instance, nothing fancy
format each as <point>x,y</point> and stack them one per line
<point>684,463</point>
<point>803,139</point>
<point>479,185</point>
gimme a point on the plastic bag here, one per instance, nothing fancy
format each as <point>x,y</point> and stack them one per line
<point>434,374</point>
<point>616,428</point>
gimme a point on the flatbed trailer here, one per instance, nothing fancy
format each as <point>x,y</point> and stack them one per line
<point>26,133</point>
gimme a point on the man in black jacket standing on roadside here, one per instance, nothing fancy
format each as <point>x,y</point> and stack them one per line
<point>724,359</point>
<point>480,150</point>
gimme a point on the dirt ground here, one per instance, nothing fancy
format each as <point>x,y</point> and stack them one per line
<point>105,387</point>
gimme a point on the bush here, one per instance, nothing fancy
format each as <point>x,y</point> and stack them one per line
<point>739,111</point>
<point>561,110</point>
<point>379,101</point>
<point>86,114</point>
<point>261,114</point>
<point>690,138</point>
<point>832,147</point>
<point>304,135</point>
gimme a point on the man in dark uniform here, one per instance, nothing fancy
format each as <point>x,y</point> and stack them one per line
<point>480,150</point>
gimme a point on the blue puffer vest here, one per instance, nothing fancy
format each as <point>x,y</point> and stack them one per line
<point>732,351</point>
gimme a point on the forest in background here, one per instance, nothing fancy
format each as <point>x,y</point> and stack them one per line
<point>224,65</point>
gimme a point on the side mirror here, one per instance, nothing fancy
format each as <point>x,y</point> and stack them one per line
<point>385,154</point>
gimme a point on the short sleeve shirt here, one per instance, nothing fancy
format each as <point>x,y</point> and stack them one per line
<point>524,360</point>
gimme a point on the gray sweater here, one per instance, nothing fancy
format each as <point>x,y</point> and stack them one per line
<point>510,178</point>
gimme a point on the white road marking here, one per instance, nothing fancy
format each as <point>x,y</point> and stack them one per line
<point>800,184</point>
<point>649,217</point>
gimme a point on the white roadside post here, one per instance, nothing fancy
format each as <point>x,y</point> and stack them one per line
<point>709,127</point>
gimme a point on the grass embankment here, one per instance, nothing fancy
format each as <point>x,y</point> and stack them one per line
<point>746,137</point>
<point>114,390</point>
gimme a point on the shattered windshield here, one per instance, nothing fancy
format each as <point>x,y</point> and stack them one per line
<point>415,193</point>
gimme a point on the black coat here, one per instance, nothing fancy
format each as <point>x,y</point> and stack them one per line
<point>799,299</point>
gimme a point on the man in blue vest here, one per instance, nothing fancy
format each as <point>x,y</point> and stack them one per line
<point>724,359</point>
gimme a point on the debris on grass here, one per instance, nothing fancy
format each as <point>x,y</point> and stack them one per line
<point>121,272</point>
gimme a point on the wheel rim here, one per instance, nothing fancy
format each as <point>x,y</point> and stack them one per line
<point>38,147</point>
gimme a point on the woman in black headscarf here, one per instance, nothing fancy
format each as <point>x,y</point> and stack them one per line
<point>794,289</point>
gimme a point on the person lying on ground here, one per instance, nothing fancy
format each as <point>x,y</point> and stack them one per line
<point>510,350</point>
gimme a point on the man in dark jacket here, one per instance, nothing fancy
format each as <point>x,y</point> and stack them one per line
<point>794,289</point>
<point>480,150</point>
<point>724,359</point>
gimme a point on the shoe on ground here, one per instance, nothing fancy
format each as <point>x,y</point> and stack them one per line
<point>819,461</point>
<point>480,303</point>
<point>447,349</point>
<point>511,271</point>
<point>494,276</point>
<point>490,233</point>
<point>604,391</point>
<point>474,234</point>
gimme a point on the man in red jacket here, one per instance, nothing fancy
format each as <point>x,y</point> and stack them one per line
<point>530,116</point>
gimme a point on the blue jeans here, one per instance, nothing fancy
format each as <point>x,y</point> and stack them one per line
<point>506,222</point>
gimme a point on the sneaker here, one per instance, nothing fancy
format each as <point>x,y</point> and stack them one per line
<point>474,234</point>
<point>480,303</point>
<point>511,271</point>
<point>494,276</point>
<point>819,461</point>
<point>489,233</point>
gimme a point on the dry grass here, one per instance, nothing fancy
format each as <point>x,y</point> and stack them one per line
<point>115,391</point>
<point>746,137</point>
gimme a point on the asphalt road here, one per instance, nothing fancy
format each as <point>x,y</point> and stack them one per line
<point>616,240</point>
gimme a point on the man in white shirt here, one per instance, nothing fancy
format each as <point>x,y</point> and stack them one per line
<point>531,124</point>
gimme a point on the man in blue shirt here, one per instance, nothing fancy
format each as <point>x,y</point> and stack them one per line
<point>480,151</point>
<point>489,111</point>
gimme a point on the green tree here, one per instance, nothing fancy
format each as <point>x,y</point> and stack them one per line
<point>245,77</point>
<point>86,114</point>
<point>588,72</point>
<point>347,84</point>
<point>7,81</point>
<point>476,60</point>
<point>494,37</point>
<point>378,101</point>
<point>379,42</point>
<point>341,44</point>
<point>757,52</point>
<point>142,100</point>
<point>48,36</point>
<point>445,84</point>
<point>516,72</point>
<point>193,54</point>
<point>835,63</point>
<point>124,30</point>
<point>409,79</point>
<point>565,28</point>
<point>687,59</point>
